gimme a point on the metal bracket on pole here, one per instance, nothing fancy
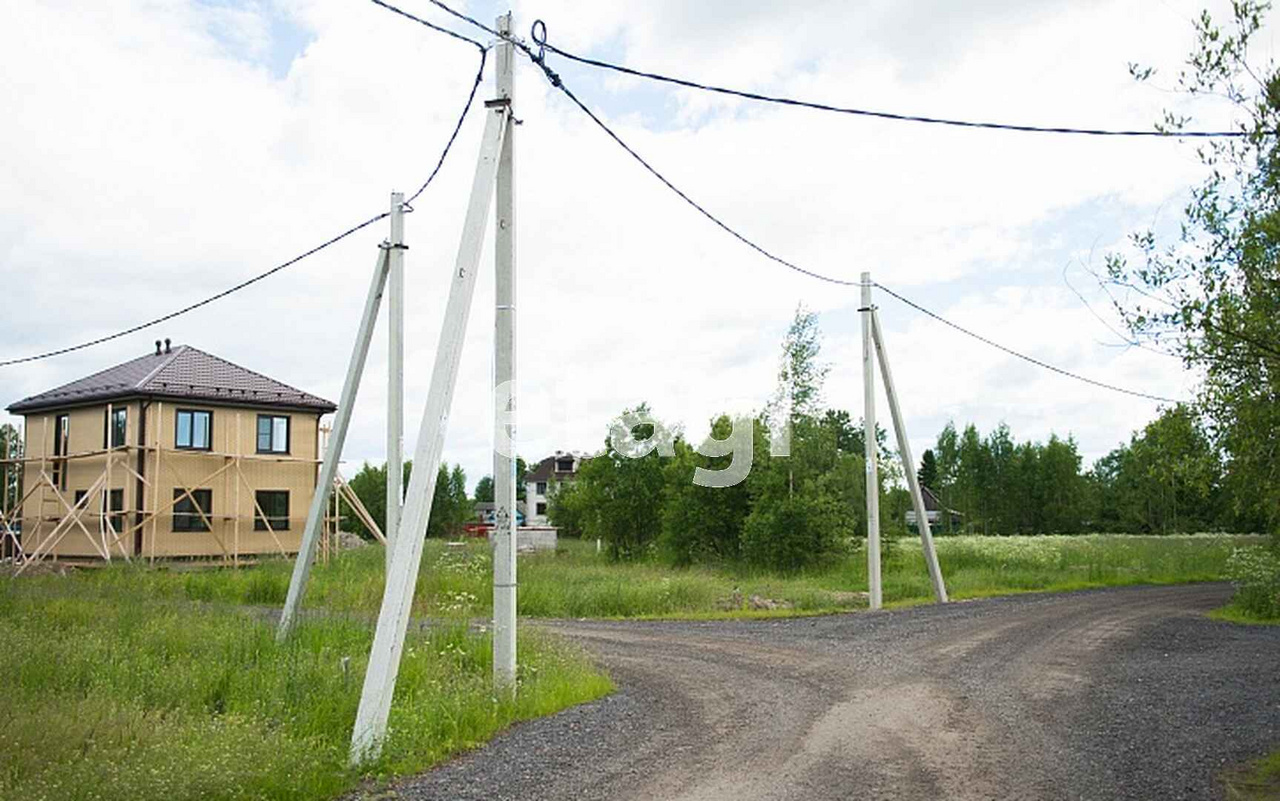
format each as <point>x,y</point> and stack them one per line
<point>908,463</point>
<point>504,382</point>
<point>870,449</point>
<point>329,469</point>
<point>406,552</point>
<point>395,374</point>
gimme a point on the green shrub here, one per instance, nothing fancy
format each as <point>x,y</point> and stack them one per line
<point>1255,572</point>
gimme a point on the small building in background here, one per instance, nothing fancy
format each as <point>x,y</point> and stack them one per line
<point>934,512</point>
<point>542,480</point>
<point>177,453</point>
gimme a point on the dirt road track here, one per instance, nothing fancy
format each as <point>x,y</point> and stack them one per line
<point>1124,693</point>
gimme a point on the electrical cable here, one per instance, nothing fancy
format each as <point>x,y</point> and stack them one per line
<point>163,318</point>
<point>268,273</point>
<point>557,82</point>
<point>430,25</point>
<point>466,108</point>
<point>1016,354</point>
<point>859,112</point>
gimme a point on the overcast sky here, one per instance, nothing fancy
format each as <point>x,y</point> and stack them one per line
<point>157,152</point>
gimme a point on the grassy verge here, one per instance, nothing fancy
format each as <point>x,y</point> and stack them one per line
<point>111,695</point>
<point>1257,781</point>
<point>1233,613</point>
<point>576,582</point>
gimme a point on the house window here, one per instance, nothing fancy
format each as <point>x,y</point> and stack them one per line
<point>190,511</point>
<point>116,423</point>
<point>61,436</point>
<point>114,511</point>
<point>79,497</point>
<point>540,509</point>
<point>275,505</point>
<point>542,488</point>
<point>194,430</point>
<point>564,465</point>
<point>273,434</point>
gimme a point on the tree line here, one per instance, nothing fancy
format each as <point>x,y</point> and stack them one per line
<point>1169,478</point>
<point>789,512</point>
<point>451,509</point>
<point>795,511</point>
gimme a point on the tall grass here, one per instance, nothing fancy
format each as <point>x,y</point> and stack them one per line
<point>109,694</point>
<point>574,581</point>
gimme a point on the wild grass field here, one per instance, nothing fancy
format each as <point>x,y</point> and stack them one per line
<point>111,693</point>
<point>575,581</point>
<point>130,682</point>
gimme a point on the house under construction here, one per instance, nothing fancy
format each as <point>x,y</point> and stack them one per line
<point>177,453</point>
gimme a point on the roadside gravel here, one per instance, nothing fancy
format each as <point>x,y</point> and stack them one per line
<point>1108,694</point>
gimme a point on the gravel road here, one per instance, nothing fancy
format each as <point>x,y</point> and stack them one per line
<point>1120,693</point>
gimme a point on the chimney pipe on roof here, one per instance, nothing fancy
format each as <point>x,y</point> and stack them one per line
<point>157,347</point>
<point>166,344</point>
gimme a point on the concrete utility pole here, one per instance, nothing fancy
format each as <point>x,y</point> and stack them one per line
<point>504,379</point>
<point>870,448</point>
<point>908,463</point>
<point>329,469</point>
<point>395,374</point>
<point>397,598</point>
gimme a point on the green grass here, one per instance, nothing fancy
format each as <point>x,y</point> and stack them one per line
<point>128,682</point>
<point>1255,782</point>
<point>111,694</point>
<point>1233,613</point>
<point>576,582</point>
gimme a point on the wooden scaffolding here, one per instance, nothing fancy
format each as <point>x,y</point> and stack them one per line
<point>115,532</point>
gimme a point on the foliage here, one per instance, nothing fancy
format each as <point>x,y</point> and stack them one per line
<point>566,509</point>
<point>484,487</point>
<point>701,524</point>
<point>113,694</point>
<point>1255,572</point>
<point>1212,295</point>
<point>1167,479</point>
<point>11,447</point>
<point>928,472</point>
<point>620,494</point>
<point>370,486</point>
<point>450,507</point>
<point>1001,487</point>
<point>800,374</point>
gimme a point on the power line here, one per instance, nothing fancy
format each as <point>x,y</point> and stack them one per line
<point>198,304</point>
<point>1016,354</point>
<point>559,84</point>
<point>263,275</point>
<point>484,52</point>
<point>542,44</point>
<point>430,25</point>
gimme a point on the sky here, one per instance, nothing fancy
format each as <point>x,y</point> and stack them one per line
<point>159,151</point>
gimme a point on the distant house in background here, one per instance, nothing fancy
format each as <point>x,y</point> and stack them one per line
<point>542,480</point>
<point>934,512</point>
<point>177,453</point>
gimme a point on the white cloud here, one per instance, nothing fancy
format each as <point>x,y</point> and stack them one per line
<point>153,160</point>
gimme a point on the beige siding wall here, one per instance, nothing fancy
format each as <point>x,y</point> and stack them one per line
<point>232,482</point>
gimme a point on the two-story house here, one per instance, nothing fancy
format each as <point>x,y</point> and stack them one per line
<point>177,453</point>
<point>541,482</point>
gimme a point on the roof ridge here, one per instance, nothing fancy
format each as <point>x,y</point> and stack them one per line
<point>149,376</point>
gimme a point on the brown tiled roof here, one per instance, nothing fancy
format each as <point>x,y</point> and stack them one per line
<point>185,373</point>
<point>545,470</point>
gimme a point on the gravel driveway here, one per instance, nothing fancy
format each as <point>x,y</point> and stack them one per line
<point>1120,693</point>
